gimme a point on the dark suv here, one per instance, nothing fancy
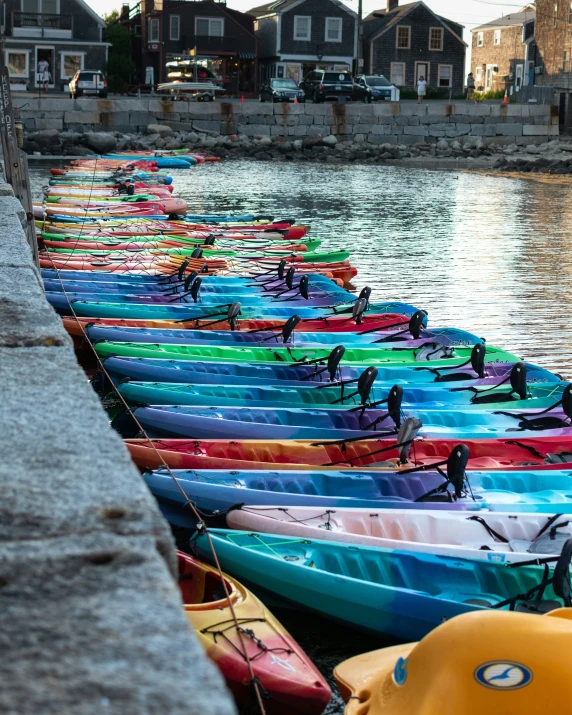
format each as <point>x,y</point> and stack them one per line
<point>325,84</point>
<point>88,82</point>
<point>372,88</point>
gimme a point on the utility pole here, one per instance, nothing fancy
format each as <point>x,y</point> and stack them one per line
<point>360,37</point>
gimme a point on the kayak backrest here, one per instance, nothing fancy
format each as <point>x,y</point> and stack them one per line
<point>365,383</point>
<point>567,400</point>
<point>407,433</point>
<point>189,279</point>
<point>360,306</point>
<point>478,359</point>
<point>303,287</point>
<point>233,313</point>
<point>197,253</point>
<point>334,359</point>
<point>416,323</point>
<point>365,294</point>
<point>195,288</point>
<point>289,327</point>
<point>394,400</point>
<point>456,466</point>
<point>280,268</point>
<point>290,277</point>
<point>182,269</point>
<point>518,380</point>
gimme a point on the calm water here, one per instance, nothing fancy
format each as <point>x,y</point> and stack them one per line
<point>492,255</point>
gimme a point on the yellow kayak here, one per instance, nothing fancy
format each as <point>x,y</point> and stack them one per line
<point>480,663</point>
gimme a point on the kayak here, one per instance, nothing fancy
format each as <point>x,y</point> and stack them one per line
<point>539,453</point>
<point>513,661</point>
<point>283,669</point>
<point>498,537</point>
<point>382,591</point>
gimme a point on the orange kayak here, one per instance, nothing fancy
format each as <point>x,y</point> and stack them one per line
<point>292,682</point>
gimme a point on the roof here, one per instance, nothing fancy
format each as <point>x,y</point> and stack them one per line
<point>512,19</point>
<point>92,12</point>
<point>379,22</point>
<point>279,6</point>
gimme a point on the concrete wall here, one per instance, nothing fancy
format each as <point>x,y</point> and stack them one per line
<point>399,123</point>
<point>90,615</point>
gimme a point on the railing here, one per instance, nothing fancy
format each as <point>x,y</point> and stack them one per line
<point>41,21</point>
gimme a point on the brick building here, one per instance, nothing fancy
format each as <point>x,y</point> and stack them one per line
<point>503,52</point>
<point>298,36</point>
<point>553,58</point>
<point>405,42</point>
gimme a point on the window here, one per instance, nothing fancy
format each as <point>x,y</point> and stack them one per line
<point>570,15</point>
<point>496,38</point>
<point>209,26</point>
<point>17,62</point>
<point>555,18</point>
<point>154,29</point>
<point>403,37</point>
<point>436,38</point>
<point>71,63</point>
<point>566,61</point>
<point>445,75</point>
<point>174,27</point>
<point>333,29</point>
<point>479,74</point>
<point>479,39</point>
<point>302,27</point>
<point>397,75</point>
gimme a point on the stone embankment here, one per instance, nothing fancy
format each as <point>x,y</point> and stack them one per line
<point>91,619</point>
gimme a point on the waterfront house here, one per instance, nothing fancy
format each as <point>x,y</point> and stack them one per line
<point>405,42</point>
<point>503,52</point>
<point>298,36</point>
<point>170,38</point>
<point>67,34</point>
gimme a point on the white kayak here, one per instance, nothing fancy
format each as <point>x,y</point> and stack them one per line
<point>488,536</point>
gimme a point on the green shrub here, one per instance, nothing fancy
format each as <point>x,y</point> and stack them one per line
<point>480,96</point>
<point>432,93</point>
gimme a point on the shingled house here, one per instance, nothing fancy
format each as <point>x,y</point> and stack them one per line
<point>405,42</point>
<point>503,52</point>
<point>298,36</point>
<point>68,34</point>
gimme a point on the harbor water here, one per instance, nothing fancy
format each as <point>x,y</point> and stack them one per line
<point>489,254</point>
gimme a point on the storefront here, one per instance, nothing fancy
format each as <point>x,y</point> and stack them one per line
<point>297,70</point>
<point>236,72</point>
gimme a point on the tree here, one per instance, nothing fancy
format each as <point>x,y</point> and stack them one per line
<point>119,63</point>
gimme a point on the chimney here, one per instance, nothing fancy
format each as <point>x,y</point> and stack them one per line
<point>392,4</point>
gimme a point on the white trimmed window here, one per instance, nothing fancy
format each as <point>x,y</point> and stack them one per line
<point>45,7</point>
<point>403,37</point>
<point>333,29</point>
<point>445,75</point>
<point>555,18</point>
<point>71,63</point>
<point>209,26</point>
<point>154,29</point>
<point>174,27</point>
<point>18,62</point>
<point>479,39</point>
<point>570,15</point>
<point>479,74</point>
<point>496,37</point>
<point>302,27</point>
<point>397,74</point>
<point>436,39</point>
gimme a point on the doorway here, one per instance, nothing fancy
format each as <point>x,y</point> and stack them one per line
<point>422,70</point>
<point>489,78</point>
<point>48,54</point>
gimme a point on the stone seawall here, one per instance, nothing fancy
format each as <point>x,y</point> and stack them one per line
<point>381,123</point>
<point>90,615</point>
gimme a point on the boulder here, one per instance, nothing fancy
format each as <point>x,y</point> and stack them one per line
<point>442,144</point>
<point>297,144</point>
<point>309,142</point>
<point>160,143</point>
<point>30,146</point>
<point>100,142</point>
<point>47,138</point>
<point>173,144</point>
<point>161,129</point>
<point>511,149</point>
<point>330,140</point>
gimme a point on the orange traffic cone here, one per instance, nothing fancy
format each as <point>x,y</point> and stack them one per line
<point>295,100</point>
<point>505,100</point>
<point>242,97</point>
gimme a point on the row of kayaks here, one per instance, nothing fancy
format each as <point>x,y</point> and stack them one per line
<point>344,455</point>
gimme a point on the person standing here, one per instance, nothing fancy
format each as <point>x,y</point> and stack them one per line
<point>470,85</point>
<point>43,74</point>
<point>421,89</point>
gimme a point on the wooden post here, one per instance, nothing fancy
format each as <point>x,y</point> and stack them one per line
<point>15,160</point>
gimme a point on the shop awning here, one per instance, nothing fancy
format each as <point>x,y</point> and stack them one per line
<point>247,55</point>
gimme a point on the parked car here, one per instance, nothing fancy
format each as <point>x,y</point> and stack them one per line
<point>281,90</point>
<point>372,88</point>
<point>325,84</point>
<point>88,82</point>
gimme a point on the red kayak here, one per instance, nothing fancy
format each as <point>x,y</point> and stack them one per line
<point>337,324</point>
<point>505,454</point>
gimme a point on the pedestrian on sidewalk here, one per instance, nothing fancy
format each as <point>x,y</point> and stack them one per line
<point>470,85</point>
<point>421,89</point>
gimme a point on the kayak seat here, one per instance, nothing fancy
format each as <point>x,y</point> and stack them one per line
<point>478,602</point>
<point>558,458</point>
<point>454,377</point>
<point>493,397</point>
<point>390,465</point>
<point>542,423</point>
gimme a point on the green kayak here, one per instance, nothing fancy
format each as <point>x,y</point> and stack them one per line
<point>352,356</point>
<point>308,257</point>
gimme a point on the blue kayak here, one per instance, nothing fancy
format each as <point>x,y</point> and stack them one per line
<point>212,490</point>
<point>217,373</point>
<point>163,162</point>
<point>384,591</point>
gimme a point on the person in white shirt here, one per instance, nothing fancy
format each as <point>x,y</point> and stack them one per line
<point>421,89</point>
<point>43,74</point>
